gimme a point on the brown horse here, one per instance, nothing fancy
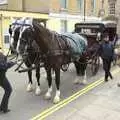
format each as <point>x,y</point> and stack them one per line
<point>56,51</point>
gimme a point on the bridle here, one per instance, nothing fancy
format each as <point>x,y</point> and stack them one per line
<point>29,46</point>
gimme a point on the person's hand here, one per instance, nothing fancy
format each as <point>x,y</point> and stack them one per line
<point>10,64</point>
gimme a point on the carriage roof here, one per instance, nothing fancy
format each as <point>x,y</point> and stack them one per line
<point>96,25</point>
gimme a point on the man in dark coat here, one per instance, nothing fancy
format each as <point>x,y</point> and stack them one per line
<point>10,30</point>
<point>106,51</point>
<point>4,83</point>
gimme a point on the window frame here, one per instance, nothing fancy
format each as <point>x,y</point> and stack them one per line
<point>80,5</point>
<point>64,4</point>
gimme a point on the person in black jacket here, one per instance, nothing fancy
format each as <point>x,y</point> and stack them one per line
<point>106,51</point>
<point>4,83</point>
<point>10,30</point>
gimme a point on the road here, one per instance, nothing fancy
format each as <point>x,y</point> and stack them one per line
<point>26,105</point>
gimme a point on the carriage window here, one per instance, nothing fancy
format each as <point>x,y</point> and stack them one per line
<point>93,31</point>
<point>86,31</point>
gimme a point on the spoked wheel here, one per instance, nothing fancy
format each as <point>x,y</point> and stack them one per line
<point>95,65</point>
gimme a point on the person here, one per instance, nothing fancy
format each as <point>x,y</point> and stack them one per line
<point>4,83</point>
<point>116,50</point>
<point>10,33</point>
<point>10,30</point>
<point>106,51</point>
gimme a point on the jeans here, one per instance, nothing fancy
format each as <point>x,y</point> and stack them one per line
<point>8,89</point>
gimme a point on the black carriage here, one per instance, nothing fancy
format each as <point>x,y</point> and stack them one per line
<point>94,32</point>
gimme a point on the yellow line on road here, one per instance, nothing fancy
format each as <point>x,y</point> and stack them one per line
<point>56,107</point>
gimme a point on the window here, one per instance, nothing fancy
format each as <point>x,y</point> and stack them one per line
<point>92,6</point>
<point>6,39</point>
<point>2,2</point>
<point>112,8</point>
<point>63,3</point>
<point>102,2</point>
<point>80,5</point>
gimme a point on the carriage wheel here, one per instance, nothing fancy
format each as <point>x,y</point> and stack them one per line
<point>95,65</point>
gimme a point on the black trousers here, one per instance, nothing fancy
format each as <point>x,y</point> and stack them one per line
<point>8,89</point>
<point>107,67</point>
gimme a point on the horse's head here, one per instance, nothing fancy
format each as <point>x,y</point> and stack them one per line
<point>25,40</point>
<point>14,31</point>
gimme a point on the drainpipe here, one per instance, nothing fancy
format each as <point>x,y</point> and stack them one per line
<point>23,6</point>
<point>84,9</point>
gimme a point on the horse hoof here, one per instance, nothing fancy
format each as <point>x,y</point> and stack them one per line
<point>76,81</point>
<point>84,82</point>
<point>56,100</point>
<point>38,91</point>
<point>29,88</point>
<point>47,96</point>
<point>118,84</point>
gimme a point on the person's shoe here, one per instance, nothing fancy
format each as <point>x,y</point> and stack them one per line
<point>106,80</point>
<point>6,111</point>
<point>1,110</point>
<point>111,76</point>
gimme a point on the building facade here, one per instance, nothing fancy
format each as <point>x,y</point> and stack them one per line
<point>111,8</point>
<point>62,14</point>
<point>118,16</point>
<point>68,12</point>
<point>11,9</point>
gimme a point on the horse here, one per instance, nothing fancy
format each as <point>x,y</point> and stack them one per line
<point>32,58</point>
<point>56,52</point>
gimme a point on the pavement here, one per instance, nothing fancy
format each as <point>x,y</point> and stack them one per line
<point>100,103</point>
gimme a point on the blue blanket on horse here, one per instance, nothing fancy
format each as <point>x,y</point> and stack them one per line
<point>77,43</point>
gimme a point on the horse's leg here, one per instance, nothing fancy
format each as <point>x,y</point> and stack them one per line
<point>29,87</point>
<point>38,91</point>
<point>49,78</point>
<point>57,81</point>
<point>83,73</point>
<point>77,66</point>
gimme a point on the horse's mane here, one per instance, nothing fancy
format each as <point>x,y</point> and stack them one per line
<point>45,38</point>
<point>41,34</point>
<point>41,29</point>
